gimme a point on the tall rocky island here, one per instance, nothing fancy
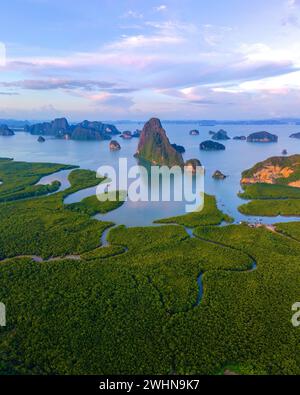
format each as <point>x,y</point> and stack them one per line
<point>154,146</point>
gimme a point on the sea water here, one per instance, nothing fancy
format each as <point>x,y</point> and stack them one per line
<point>238,156</point>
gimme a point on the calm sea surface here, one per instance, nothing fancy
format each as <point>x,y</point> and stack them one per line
<point>238,156</point>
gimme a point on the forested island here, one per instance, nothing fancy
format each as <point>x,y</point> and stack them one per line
<point>273,186</point>
<point>210,145</point>
<point>262,137</point>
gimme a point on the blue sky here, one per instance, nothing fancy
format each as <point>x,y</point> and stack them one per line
<point>132,59</point>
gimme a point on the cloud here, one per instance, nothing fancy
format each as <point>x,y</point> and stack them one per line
<point>114,100</point>
<point>160,8</point>
<point>132,14</point>
<point>129,42</point>
<point>214,35</point>
<point>166,58</point>
<point>202,96</point>
<point>277,85</point>
<point>166,68</point>
<point>160,65</point>
<point>52,83</point>
<point>290,20</point>
<point>9,93</point>
<point>197,74</point>
<point>291,17</point>
<point>292,4</point>
<point>163,34</point>
<point>205,102</point>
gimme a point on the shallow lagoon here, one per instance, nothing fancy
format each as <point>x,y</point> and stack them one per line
<point>238,156</point>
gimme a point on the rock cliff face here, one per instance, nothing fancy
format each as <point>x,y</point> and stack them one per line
<point>56,127</point>
<point>211,146</point>
<point>155,148</point>
<point>85,130</point>
<point>82,133</point>
<point>5,131</point>
<point>262,137</point>
<point>276,170</point>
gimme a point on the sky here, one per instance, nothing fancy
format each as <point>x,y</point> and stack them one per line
<point>134,59</point>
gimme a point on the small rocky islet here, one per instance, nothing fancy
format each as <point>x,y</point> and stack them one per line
<point>242,138</point>
<point>127,135</point>
<point>114,145</point>
<point>210,145</point>
<point>220,135</point>
<point>262,137</point>
<point>218,175</point>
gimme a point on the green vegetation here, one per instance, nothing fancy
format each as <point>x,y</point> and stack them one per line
<point>289,207</point>
<point>19,179</point>
<point>102,253</point>
<point>269,191</point>
<point>131,307</point>
<point>31,191</point>
<point>82,179</point>
<point>43,226</point>
<point>91,205</point>
<point>210,215</point>
<point>290,229</point>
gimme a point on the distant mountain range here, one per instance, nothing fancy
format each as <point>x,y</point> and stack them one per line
<point>19,124</point>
